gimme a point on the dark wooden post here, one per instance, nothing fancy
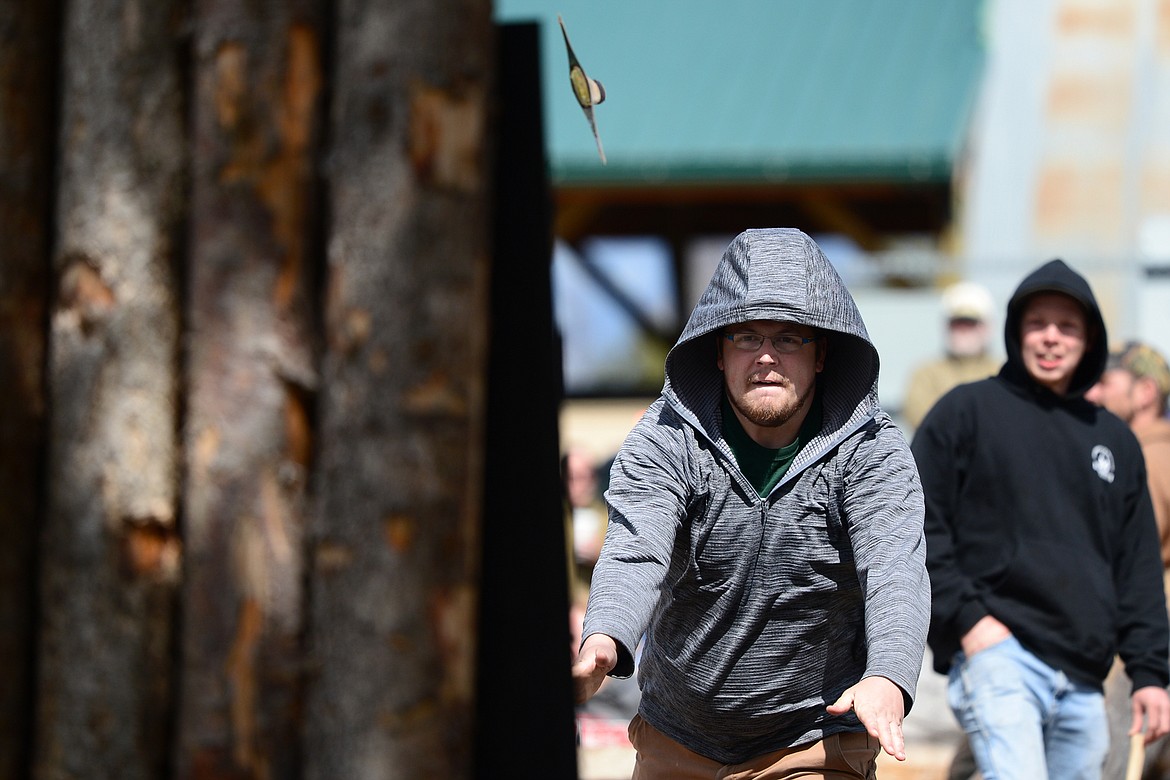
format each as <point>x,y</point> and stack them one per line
<point>524,692</point>
<point>28,75</point>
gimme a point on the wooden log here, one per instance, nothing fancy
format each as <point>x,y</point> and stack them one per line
<point>111,553</point>
<point>252,380</point>
<point>393,574</point>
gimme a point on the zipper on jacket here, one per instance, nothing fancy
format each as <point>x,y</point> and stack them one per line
<point>750,584</point>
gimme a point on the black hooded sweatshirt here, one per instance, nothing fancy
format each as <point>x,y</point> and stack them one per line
<point>1037,512</point>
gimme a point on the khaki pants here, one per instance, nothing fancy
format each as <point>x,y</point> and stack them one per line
<point>849,756</point>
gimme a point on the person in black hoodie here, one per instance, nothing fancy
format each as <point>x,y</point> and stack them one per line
<point>1042,547</point>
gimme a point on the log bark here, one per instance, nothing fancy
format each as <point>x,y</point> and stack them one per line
<point>252,379</point>
<point>28,69</point>
<point>393,572</point>
<point>111,553</point>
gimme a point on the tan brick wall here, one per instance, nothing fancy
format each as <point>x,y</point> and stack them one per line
<point>1078,200</point>
<point>1163,34</point>
<point>1085,183</point>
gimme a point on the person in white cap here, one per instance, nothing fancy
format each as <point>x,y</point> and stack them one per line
<point>968,307</point>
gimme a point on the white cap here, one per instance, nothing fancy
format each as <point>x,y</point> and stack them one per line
<point>967,301</point>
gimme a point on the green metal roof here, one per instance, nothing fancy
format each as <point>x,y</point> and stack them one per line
<point>756,91</point>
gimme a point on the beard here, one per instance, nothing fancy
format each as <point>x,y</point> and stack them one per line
<point>770,412</point>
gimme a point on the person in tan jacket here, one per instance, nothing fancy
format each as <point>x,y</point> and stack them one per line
<point>968,308</point>
<point>1135,387</point>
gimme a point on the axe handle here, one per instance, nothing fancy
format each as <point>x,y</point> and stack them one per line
<point>1137,756</point>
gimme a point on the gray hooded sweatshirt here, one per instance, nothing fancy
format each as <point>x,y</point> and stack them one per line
<point>758,612</point>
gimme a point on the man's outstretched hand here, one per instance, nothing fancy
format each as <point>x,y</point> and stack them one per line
<point>879,705</point>
<point>597,657</point>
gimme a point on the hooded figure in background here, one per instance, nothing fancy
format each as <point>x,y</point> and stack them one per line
<point>1043,551</point>
<point>765,537</point>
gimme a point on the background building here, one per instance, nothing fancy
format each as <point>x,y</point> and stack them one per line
<point>920,142</point>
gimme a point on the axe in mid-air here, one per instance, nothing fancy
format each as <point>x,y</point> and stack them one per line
<point>588,92</point>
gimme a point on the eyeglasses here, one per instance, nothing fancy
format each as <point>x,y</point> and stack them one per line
<point>782,342</point>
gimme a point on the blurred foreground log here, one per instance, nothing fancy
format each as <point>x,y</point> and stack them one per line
<point>111,554</point>
<point>394,591</point>
<point>245,270</point>
<point>251,378</point>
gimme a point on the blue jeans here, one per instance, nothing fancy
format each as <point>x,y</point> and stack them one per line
<point>1026,720</point>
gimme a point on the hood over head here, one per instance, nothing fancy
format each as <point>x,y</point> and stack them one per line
<point>775,274</point>
<point>1056,276</point>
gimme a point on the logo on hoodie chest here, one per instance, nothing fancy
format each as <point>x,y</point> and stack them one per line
<point>1103,462</point>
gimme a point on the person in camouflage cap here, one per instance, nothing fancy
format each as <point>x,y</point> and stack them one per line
<point>1142,362</point>
<point>1135,386</point>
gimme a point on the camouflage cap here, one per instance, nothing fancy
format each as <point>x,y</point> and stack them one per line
<point>1142,360</point>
